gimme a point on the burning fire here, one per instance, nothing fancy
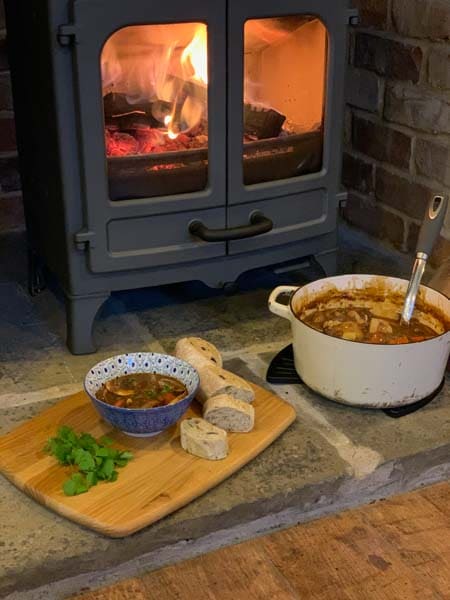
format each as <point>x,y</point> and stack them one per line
<point>195,59</point>
<point>162,70</point>
<point>197,54</point>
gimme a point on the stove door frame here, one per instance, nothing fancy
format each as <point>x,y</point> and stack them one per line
<point>92,23</point>
<point>321,187</point>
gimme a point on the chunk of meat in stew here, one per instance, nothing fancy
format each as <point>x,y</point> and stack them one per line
<point>361,325</point>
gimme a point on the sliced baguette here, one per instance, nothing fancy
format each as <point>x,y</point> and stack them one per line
<point>198,352</point>
<point>200,438</point>
<point>215,381</point>
<point>228,413</point>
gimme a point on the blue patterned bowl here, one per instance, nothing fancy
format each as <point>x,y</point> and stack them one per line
<point>142,422</point>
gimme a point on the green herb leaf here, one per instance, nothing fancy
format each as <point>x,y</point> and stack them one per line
<point>106,441</point>
<point>96,460</point>
<point>91,478</point>
<point>70,487</point>
<point>75,485</point>
<point>100,451</point>
<point>125,455</point>
<point>85,460</point>
<point>107,468</point>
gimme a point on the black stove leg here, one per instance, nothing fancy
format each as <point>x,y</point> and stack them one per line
<point>36,275</point>
<point>81,312</point>
<point>326,262</point>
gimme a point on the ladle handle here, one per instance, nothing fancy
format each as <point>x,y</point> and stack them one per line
<point>429,231</point>
<point>431,224</point>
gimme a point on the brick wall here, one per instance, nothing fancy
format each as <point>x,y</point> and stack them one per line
<point>11,212</point>
<point>397,136</point>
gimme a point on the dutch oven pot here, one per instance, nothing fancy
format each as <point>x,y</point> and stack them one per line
<point>358,373</point>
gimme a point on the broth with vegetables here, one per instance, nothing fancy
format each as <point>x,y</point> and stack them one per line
<point>375,319</point>
<point>142,390</point>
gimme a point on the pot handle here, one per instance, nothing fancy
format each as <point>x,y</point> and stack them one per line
<point>282,310</point>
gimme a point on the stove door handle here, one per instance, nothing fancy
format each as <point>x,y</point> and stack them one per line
<point>258,225</point>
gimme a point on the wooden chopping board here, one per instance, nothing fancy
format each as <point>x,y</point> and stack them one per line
<point>161,478</point>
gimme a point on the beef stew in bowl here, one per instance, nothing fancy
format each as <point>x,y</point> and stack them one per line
<point>125,376</point>
<point>142,390</point>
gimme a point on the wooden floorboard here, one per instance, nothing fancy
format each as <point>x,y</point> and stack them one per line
<point>396,549</point>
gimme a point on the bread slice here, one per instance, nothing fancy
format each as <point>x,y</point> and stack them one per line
<point>228,413</point>
<point>198,352</point>
<point>215,381</point>
<point>202,439</point>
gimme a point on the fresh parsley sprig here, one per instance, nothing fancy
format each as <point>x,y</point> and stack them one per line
<point>96,459</point>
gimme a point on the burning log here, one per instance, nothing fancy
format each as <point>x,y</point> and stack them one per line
<point>117,105</point>
<point>123,113</point>
<point>262,123</point>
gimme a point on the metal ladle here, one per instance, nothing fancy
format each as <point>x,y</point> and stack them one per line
<point>429,231</point>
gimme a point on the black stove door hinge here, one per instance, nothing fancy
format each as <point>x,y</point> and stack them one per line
<point>352,16</point>
<point>67,35</point>
<point>84,239</point>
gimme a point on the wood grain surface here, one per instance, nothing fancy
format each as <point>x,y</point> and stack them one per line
<point>161,478</point>
<point>396,549</point>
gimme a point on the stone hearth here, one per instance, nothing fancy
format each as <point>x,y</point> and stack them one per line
<point>333,456</point>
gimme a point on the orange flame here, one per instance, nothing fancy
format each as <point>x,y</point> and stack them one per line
<point>197,54</point>
<point>195,58</point>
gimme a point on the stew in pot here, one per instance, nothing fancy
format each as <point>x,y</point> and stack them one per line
<point>361,318</point>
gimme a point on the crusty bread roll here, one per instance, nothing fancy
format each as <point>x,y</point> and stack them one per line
<point>230,414</point>
<point>198,352</point>
<point>215,381</point>
<point>202,439</point>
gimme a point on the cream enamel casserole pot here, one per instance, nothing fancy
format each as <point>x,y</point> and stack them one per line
<point>363,374</point>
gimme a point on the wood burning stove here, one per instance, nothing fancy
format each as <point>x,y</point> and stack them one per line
<point>163,142</point>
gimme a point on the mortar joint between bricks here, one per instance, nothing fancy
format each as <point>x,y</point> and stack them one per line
<point>381,96</point>
<point>424,67</point>
<point>8,154</point>
<point>391,209</point>
<point>431,183</point>
<point>394,170</point>
<point>412,157</point>
<point>393,37</point>
<point>377,119</point>
<point>406,228</point>
<point>389,19</point>
<point>423,88</point>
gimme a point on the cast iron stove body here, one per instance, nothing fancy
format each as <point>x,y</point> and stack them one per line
<point>174,141</point>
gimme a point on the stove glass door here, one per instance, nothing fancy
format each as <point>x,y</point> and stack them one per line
<point>151,111</point>
<point>284,92</point>
<point>155,104</point>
